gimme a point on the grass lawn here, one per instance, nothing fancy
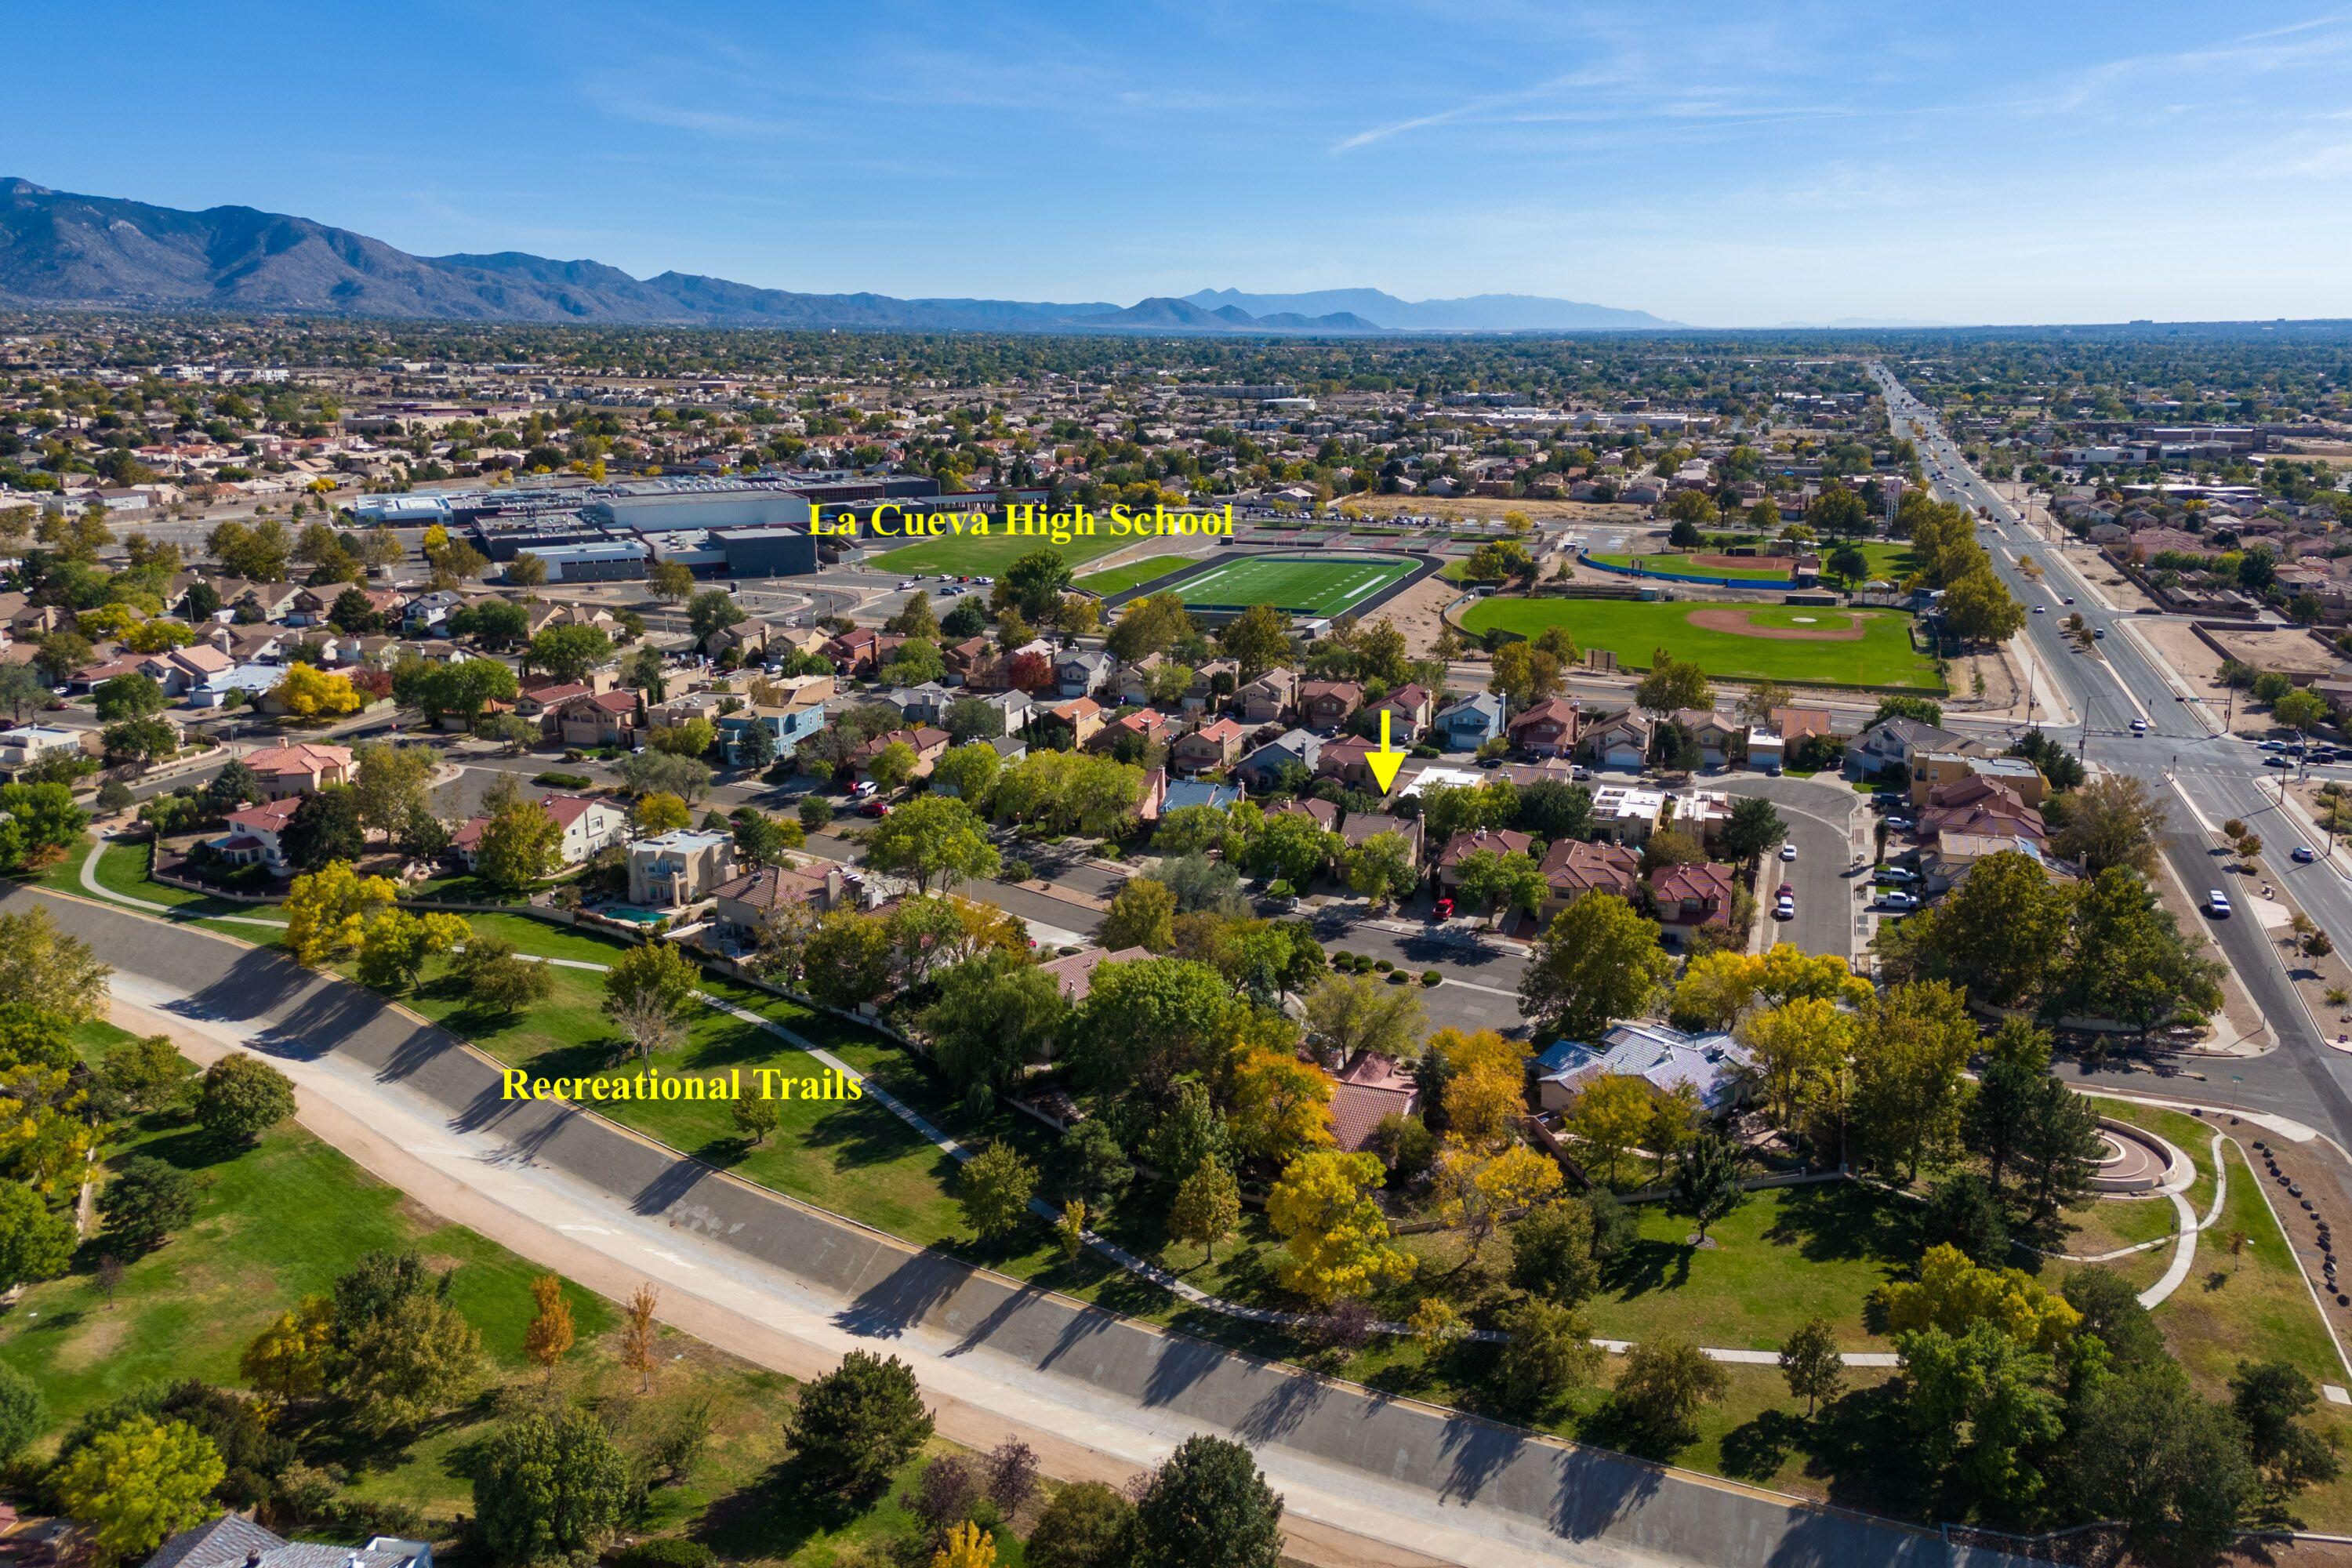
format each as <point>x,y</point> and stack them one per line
<point>276,1222</point>
<point>1301,584</point>
<point>976,555</point>
<point>1120,579</point>
<point>1632,629</point>
<point>1680,562</point>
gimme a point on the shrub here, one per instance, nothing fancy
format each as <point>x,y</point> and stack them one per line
<point>1279,889</point>
<point>1342,959</point>
<point>1431,977</point>
<point>553,780</point>
<point>1399,977</point>
<point>1382,964</point>
<point>667,1552</point>
<point>1016,870</point>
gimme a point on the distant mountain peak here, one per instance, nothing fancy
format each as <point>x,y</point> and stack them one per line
<point>61,250</point>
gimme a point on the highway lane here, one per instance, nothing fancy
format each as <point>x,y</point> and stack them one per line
<point>2185,762</point>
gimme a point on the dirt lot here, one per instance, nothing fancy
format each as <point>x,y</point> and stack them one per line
<point>2295,651</point>
<point>2004,686</point>
<point>2200,668</point>
<point>1415,613</point>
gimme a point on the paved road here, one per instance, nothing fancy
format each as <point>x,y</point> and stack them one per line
<point>1468,1491</point>
<point>2182,760</point>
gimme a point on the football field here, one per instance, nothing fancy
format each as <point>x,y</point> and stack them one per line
<point>1300,584</point>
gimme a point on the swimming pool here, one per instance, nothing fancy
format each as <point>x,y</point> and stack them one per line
<point>631,913</point>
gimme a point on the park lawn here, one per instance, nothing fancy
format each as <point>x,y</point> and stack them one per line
<point>987,555</point>
<point>1679,562</point>
<point>1633,629</point>
<point>2191,1135</point>
<point>1135,574</point>
<point>276,1222</point>
<point>93,1039</point>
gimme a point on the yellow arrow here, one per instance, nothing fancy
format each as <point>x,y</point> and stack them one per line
<point>1384,762</point>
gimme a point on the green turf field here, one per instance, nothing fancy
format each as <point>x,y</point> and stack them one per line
<point>1120,579</point>
<point>1883,658</point>
<point>1304,585</point>
<point>988,555</point>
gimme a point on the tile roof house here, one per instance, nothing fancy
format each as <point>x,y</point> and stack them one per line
<point>596,719</point>
<point>181,669</point>
<point>1346,760</point>
<point>1892,742</point>
<point>1408,707</point>
<point>1302,746</point>
<point>742,905</point>
<point>1074,973</point>
<point>1572,867</point>
<point>1324,704</point>
<point>1980,805</point>
<point>590,823</point>
<point>304,768</point>
<point>1362,827</point>
<point>1081,716</point>
<point>252,839</point>
<point>233,1540</point>
<point>1370,1087</point>
<point>1689,896</point>
<point>1621,742</point>
<point>1546,729</point>
<point>1501,840</point>
<point>1714,1064</point>
<point>1212,745</point>
<point>1269,698</point>
<point>928,744</point>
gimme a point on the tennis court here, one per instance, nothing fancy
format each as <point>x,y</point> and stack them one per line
<point>1300,584</point>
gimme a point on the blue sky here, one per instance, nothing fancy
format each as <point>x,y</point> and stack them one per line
<point>1714,164</point>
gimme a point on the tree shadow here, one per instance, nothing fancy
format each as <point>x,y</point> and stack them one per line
<point>773,1517</point>
<point>1846,1222</point>
<point>1755,1450</point>
<point>1648,1265</point>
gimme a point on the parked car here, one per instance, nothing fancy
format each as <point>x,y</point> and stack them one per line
<point>1788,852</point>
<point>1896,874</point>
<point>875,807</point>
<point>863,788</point>
<point>1784,907</point>
<point>1898,825</point>
<point>1896,898</point>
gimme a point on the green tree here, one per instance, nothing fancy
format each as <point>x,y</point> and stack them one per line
<point>1208,1207</point>
<point>408,1363</point>
<point>138,1482</point>
<point>2057,1147</point>
<point>1547,1353</point>
<point>23,1414</point>
<point>935,839</point>
<point>2111,820</point>
<point>2131,962</point>
<point>1034,583</point>
<point>2270,1400</point>
<point>672,582</point>
<point>547,1489</point>
<point>1598,961</point>
<point>36,1243</point>
<point>2004,934</point>
<point>1086,1525</point>
<point>1142,914</point>
<point>846,960</point>
<point>1812,1364</point>
<point>993,1189</point>
<point>856,1425</point>
<point>1147,1023</point>
<point>1913,1043</point>
<point>498,980</point>
<point>654,980</point>
<point>567,653</point>
<point>1658,1395</point>
<point>1707,1182</point>
<point>1754,830</point>
<point>1258,639</point>
<point>1672,685</point>
<point>996,1014</point>
<point>129,696</point>
<point>712,611</point>
<point>1208,1507</point>
<point>1381,868</point>
<point>1552,1253</point>
<point>242,1098</point>
<point>518,845</point>
<point>2171,1466</point>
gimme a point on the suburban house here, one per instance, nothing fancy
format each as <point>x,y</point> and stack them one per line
<point>233,1540</point>
<point>1546,729</point>
<point>598,718</point>
<point>1074,973</point>
<point>427,615</point>
<point>1182,792</point>
<point>1081,718</point>
<point>1621,742</point>
<point>24,744</point>
<point>928,744</point>
<point>1719,738</point>
<point>1931,770</point>
<point>1499,840</point>
<point>1345,760</point>
<point>1980,805</point>
<point>1082,672</point>
<point>787,727</point>
<point>590,823</point>
<point>1893,742</point>
<point>1206,678</point>
<point>1408,707</point>
<point>1627,813</point>
<point>1145,725</point>
<point>252,839</point>
<point>1268,700</point>
<point>1321,813</point>
<point>1713,1064</point>
<point>674,870</point>
<point>1324,705</point>
<point>1689,896</point>
<point>924,704</point>
<point>1362,827</point>
<point>742,905</point>
<point>1572,867</point>
<point>1134,681</point>
<point>1301,746</point>
<point>1470,723</point>
<point>968,660</point>
<point>1366,1091</point>
<point>1215,745</point>
<point>853,652</point>
<point>304,768</point>
<point>182,669</point>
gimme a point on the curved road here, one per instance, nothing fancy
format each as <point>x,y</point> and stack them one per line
<point>1448,1486</point>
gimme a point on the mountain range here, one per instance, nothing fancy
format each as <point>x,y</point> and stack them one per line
<point>58,250</point>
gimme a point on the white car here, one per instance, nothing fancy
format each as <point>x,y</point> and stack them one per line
<point>1896,898</point>
<point>2217,904</point>
<point>1788,852</point>
<point>1784,908</point>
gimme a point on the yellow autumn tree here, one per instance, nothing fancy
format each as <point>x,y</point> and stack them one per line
<point>327,911</point>
<point>1489,1092</point>
<point>288,1360</point>
<point>1475,1189</point>
<point>969,1546</point>
<point>551,1333</point>
<point>1280,1105</point>
<point>1789,1044</point>
<point>307,693</point>
<point>1955,1294</point>
<point>1336,1236</point>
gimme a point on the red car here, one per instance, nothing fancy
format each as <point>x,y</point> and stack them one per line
<point>1444,909</point>
<point>877,806</point>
